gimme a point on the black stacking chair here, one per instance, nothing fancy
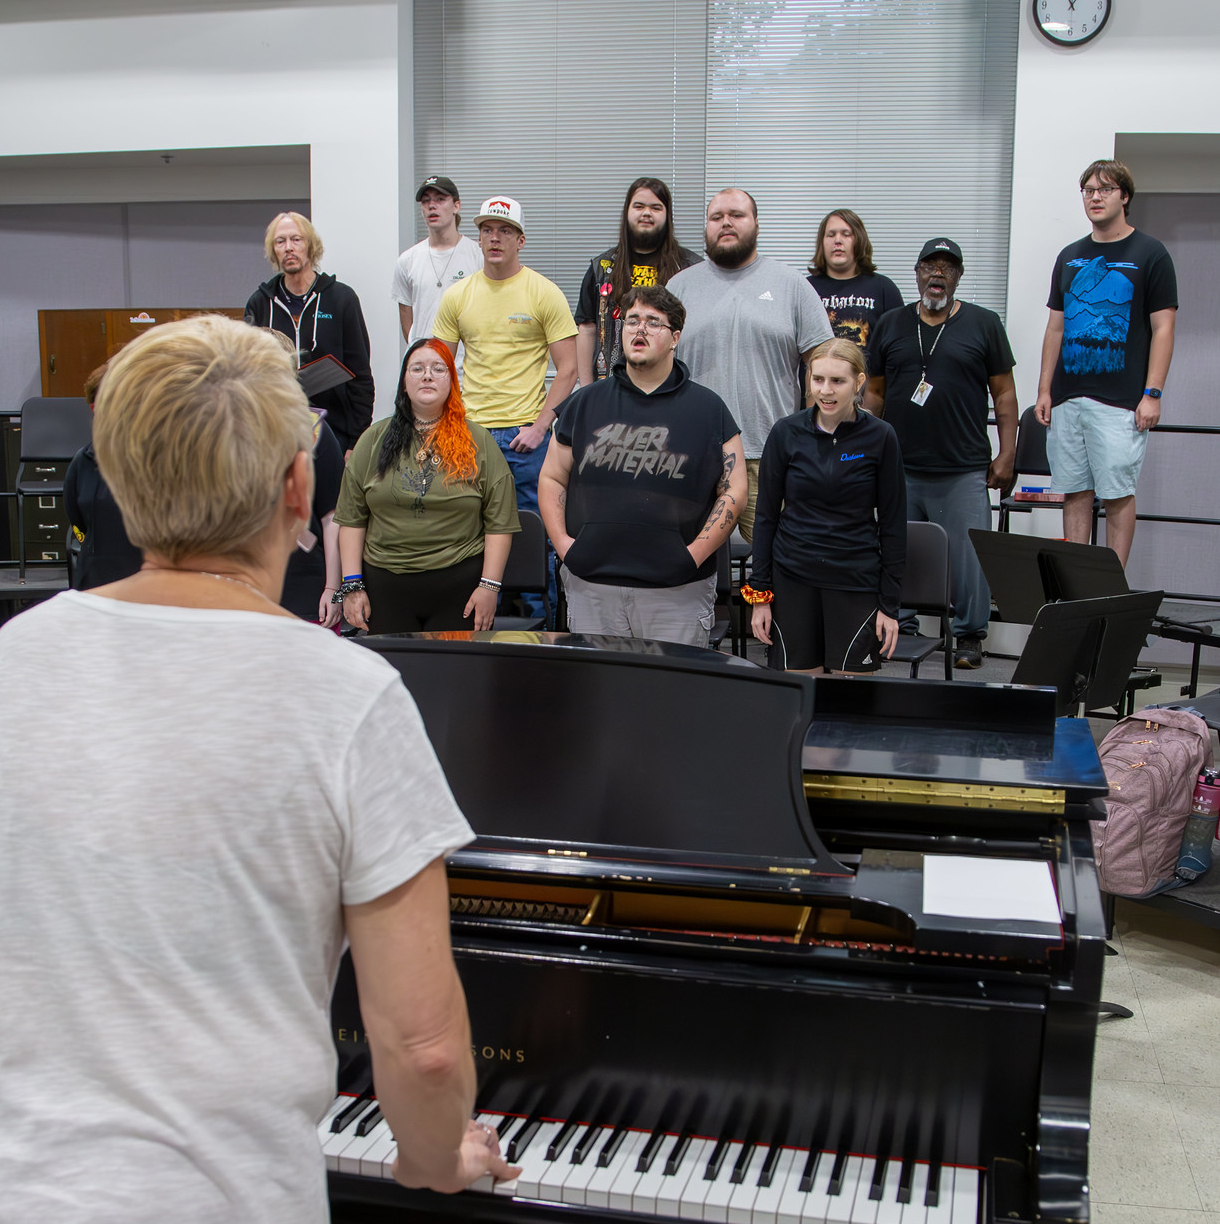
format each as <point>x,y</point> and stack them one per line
<point>925,587</point>
<point>526,572</point>
<point>52,431</point>
<point>1031,460</point>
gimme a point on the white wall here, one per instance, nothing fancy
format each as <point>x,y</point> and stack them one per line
<point>1154,68</point>
<point>323,75</point>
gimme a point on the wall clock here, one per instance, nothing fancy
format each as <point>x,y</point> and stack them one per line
<point>1071,23</point>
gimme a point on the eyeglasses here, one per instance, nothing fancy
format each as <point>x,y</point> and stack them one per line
<point>437,369</point>
<point>1104,192</point>
<point>637,323</point>
<point>943,266</point>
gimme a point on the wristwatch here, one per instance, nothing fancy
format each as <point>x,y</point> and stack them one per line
<point>1152,392</point>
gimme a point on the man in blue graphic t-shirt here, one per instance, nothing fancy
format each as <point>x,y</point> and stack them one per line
<point>1105,357</point>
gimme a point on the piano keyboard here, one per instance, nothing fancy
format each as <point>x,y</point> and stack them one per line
<point>678,1176</point>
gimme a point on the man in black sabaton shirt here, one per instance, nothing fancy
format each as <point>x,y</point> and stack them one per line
<point>641,485</point>
<point>647,253</point>
<point>931,367</point>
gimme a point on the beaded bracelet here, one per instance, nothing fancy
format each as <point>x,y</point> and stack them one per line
<point>490,584</point>
<point>349,587</point>
<point>751,596</point>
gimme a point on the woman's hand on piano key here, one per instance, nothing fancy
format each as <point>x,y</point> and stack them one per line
<point>478,1156</point>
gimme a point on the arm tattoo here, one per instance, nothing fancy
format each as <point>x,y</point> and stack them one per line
<point>730,462</point>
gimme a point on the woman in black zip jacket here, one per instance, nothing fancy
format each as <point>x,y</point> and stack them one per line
<point>830,533</point>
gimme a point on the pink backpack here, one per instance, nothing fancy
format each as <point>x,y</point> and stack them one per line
<point>1151,761</point>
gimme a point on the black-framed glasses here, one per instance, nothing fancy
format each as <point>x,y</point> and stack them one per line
<point>1104,192</point>
<point>638,322</point>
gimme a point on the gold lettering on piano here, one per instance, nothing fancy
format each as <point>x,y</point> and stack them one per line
<point>934,794</point>
<point>497,1054</point>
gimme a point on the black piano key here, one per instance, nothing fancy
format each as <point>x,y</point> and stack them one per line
<point>581,1150</point>
<point>766,1174</point>
<point>904,1180</point>
<point>716,1159</point>
<point>612,1145</point>
<point>676,1153</point>
<point>932,1197</point>
<point>521,1140</point>
<point>349,1111</point>
<point>649,1154</point>
<point>744,1157</point>
<point>835,1185</point>
<point>369,1120</point>
<point>877,1186</point>
<point>505,1124</point>
<point>562,1140</point>
<point>810,1169</point>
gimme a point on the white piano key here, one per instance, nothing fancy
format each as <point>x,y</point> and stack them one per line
<point>839,1206</point>
<point>690,1206</point>
<point>486,1183</point>
<point>622,1191</point>
<point>864,1208</point>
<point>716,1204</point>
<point>889,1210</point>
<point>965,1195</point>
<point>378,1161</point>
<point>741,1201</point>
<point>669,1196</point>
<point>644,1195</point>
<point>533,1160</point>
<point>324,1125</point>
<point>350,1157</point>
<point>577,1182</point>
<point>915,1212</point>
<point>942,1213</point>
<point>793,1200</point>
<point>550,1184</point>
<point>816,1203</point>
<point>765,1209</point>
<point>597,1193</point>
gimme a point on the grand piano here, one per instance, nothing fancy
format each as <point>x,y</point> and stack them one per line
<point>747,946</point>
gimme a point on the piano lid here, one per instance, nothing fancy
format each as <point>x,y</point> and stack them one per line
<point>557,740</point>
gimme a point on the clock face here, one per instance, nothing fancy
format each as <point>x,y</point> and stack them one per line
<point>1068,23</point>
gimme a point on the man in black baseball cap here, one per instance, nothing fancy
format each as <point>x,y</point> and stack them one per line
<point>444,258</point>
<point>933,365</point>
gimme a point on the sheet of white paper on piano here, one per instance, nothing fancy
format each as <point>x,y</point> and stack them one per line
<point>959,886</point>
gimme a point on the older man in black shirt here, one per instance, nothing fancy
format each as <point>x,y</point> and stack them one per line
<point>932,366</point>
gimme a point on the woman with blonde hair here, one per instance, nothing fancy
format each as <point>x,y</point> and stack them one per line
<point>186,841</point>
<point>830,536</point>
<point>427,510</point>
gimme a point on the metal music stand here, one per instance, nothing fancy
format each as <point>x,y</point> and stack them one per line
<point>1086,648</point>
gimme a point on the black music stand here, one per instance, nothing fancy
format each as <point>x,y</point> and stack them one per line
<point>1025,572</point>
<point>1086,648</point>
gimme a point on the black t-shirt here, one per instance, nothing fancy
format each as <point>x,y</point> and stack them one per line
<point>645,471</point>
<point>832,508</point>
<point>597,277</point>
<point>855,304</point>
<point>949,432</point>
<point>306,573</point>
<point>1107,290</point>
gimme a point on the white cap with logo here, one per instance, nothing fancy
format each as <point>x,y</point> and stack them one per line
<point>501,208</point>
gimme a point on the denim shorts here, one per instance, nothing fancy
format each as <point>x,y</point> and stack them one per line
<point>1095,446</point>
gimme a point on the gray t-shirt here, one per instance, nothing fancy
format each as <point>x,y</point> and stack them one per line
<point>188,804</point>
<point>746,329</point>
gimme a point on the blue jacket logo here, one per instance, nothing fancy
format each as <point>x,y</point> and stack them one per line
<point>845,458</point>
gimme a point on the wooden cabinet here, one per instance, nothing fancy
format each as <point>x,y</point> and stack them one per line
<point>73,343</point>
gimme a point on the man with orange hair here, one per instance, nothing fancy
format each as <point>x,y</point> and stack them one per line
<point>321,316</point>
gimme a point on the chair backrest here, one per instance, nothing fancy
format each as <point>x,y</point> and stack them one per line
<point>54,428</point>
<point>724,572</point>
<point>1031,447</point>
<point>526,567</point>
<point>925,581</point>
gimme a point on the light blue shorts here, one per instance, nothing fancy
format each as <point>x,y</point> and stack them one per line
<point>1095,446</point>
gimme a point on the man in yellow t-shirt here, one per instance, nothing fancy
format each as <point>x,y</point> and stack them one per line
<point>510,320</point>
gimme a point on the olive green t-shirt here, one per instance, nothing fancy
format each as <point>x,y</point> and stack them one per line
<point>425,520</point>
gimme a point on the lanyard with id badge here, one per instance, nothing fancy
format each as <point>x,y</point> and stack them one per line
<point>924,389</point>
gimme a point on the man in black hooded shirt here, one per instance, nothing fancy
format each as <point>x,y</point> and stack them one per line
<point>321,316</point>
<point>642,484</point>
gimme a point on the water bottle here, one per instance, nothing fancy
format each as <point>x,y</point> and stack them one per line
<point>1196,855</point>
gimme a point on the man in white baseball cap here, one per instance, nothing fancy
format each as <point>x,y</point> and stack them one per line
<point>511,320</point>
